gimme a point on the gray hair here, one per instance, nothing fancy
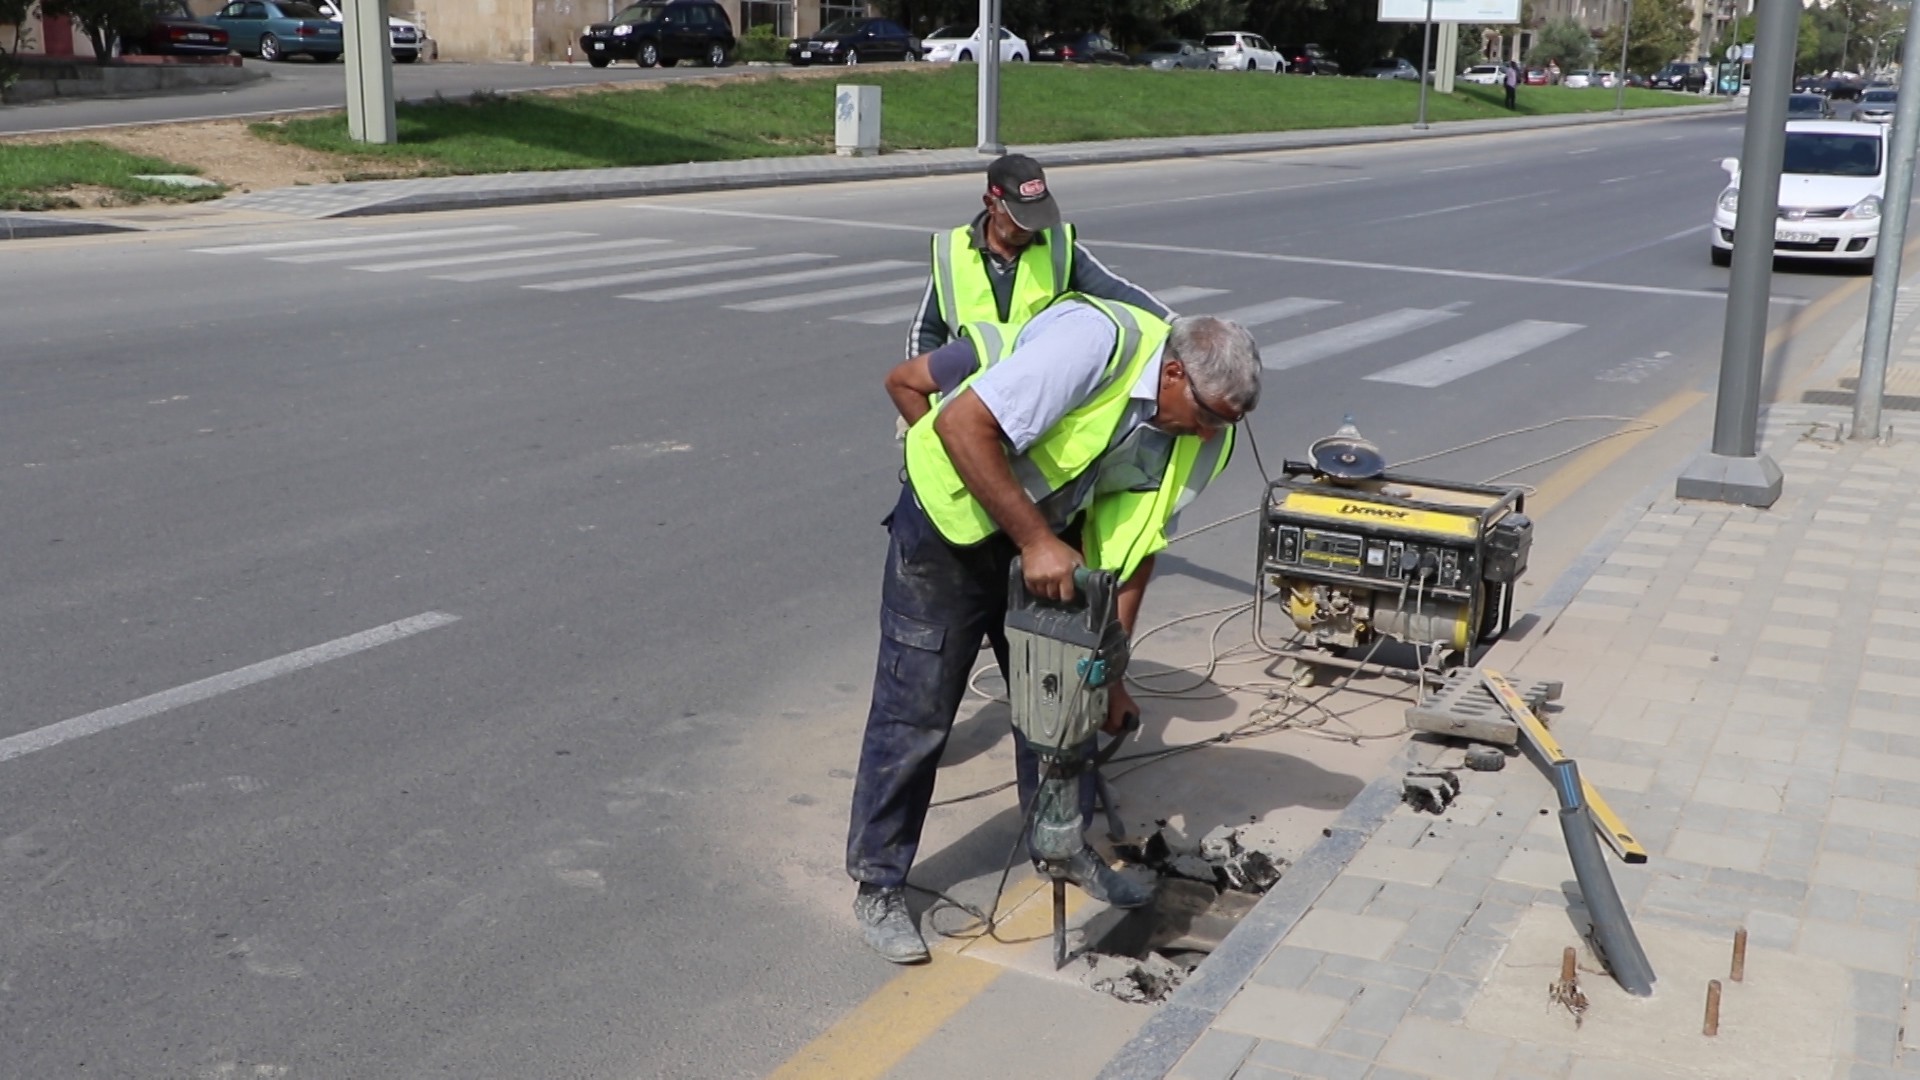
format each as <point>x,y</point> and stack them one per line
<point>1221,359</point>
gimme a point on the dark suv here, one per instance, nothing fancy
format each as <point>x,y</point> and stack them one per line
<point>662,32</point>
<point>1083,48</point>
<point>1307,60</point>
<point>1680,76</point>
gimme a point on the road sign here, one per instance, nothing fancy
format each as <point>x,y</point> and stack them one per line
<point>1455,11</point>
<point>1733,52</point>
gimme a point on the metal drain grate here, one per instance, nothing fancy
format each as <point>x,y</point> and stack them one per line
<point>1464,708</point>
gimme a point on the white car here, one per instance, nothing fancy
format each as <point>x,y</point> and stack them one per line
<point>1831,182</point>
<point>1485,74</point>
<point>951,44</point>
<point>404,37</point>
<point>1237,50</point>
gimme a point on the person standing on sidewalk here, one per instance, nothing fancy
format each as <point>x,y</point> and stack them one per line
<point>1511,80</point>
<point>1077,448</point>
<point>1010,262</point>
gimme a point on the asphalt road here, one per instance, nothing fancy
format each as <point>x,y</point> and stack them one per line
<point>590,826</point>
<point>300,83</point>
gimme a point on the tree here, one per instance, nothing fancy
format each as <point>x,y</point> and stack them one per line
<point>1562,41</point>
<point>1661,31</point>
<point>103,21</point>
<point>15,13</point>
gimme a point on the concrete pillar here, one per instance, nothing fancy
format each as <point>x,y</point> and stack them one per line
<point>370,115</point>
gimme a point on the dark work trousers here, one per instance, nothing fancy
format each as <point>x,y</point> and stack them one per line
<point>936,603</point>
<point>1509,97</point>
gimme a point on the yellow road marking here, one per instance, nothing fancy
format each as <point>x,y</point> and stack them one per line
<point>1582,469</point>
<point>885,1028</point>
<point>881,1031</point>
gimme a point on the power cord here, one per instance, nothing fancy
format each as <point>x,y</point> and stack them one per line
<point>1270,718</point>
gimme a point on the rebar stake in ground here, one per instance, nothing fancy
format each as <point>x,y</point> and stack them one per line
<point>1566,991</point>
<point>1712,1027</point>
<point>1739,972</point>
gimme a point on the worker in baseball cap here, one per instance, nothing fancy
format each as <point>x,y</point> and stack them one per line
<point>1015,258</point>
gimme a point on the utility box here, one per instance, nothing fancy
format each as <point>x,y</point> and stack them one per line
<point>856,121</point>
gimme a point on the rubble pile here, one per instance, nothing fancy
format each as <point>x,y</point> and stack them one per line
<point>1206,887</point>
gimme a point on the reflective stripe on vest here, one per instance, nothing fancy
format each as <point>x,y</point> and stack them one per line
<point>1122,529</point>
<point>963,288</point>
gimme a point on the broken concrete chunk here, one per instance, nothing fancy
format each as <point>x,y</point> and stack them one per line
<point>1140,981</point>
<point>1221,844</point>
<point>1191,867</point>
<point>1251,871</point>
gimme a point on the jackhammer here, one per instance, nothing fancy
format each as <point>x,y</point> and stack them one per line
<point>1062,660</point>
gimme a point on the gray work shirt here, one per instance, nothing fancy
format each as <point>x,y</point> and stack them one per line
<point>929,329</point>
<point>1056,366</point>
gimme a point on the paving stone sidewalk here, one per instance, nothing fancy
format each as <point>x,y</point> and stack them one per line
<point>1744,686</point>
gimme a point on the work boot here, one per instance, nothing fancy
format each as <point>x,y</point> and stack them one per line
<point>1102,882</point>
<point>888,925</point>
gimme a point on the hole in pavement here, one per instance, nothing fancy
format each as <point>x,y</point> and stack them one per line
<point>1205,890</point>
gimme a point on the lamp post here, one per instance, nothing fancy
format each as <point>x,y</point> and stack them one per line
<point>1426,66</point>
<point>1620,82</point>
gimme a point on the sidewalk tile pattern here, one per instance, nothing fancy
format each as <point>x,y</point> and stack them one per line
<point>1737,680</point>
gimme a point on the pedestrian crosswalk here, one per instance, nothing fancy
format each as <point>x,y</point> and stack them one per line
<point>1420,348</point>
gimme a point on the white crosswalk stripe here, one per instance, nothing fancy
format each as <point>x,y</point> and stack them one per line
<point>881,316</point>
<point>1300,351</point>
<point>743,284</point>
<point>1180,294</point>
<point>830,296</point>
<point>669,272</point>
<point>1275,310</point>
<point>412,249</point>
<point>349,241</point>
<point>1475,354</point>
<point>501,256</point>
<point>600,262</point>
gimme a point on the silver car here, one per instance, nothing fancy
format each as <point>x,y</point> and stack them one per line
<point>1175,54</point>
<point>1876,106</point>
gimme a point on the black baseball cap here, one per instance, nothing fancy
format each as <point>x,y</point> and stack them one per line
<point>1017,181</point>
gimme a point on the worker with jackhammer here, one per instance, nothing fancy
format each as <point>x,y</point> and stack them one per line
<point>1076,448</point>
<point>1010,262</point>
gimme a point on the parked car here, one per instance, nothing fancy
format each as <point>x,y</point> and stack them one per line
<point>404,38</point>
<point>172,29</point>
<point>1535,77</point>
<point>663,33</point>
<point>1082,48</point>
<point>850,41</point>
<point>277,29</point>
<point>1307,60</point>
<point>1392,67</point>
<point>1808,107</point>
<point>957,43</point>
<point>1485,74</point>
<point>1605,80</point>
<point>1176,54</point>
<point>1679,75</point>
<point>1876,106</point>
<point>1641,81</point>
<point>1237,50</point>
<point>1832,178</point>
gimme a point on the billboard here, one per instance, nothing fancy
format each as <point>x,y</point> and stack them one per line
<point>1455,11</point>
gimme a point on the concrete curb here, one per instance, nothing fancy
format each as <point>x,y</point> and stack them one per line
<point>34,226</point>
<point>381,197</point>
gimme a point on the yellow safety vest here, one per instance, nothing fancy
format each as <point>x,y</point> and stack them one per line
<point>964,290</point>
<point>1121,529</point>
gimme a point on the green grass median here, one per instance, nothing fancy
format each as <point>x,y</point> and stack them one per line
<point>34,176</point>
<point>922,108</point>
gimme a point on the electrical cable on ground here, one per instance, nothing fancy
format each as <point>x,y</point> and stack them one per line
<point>1271,716</point>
